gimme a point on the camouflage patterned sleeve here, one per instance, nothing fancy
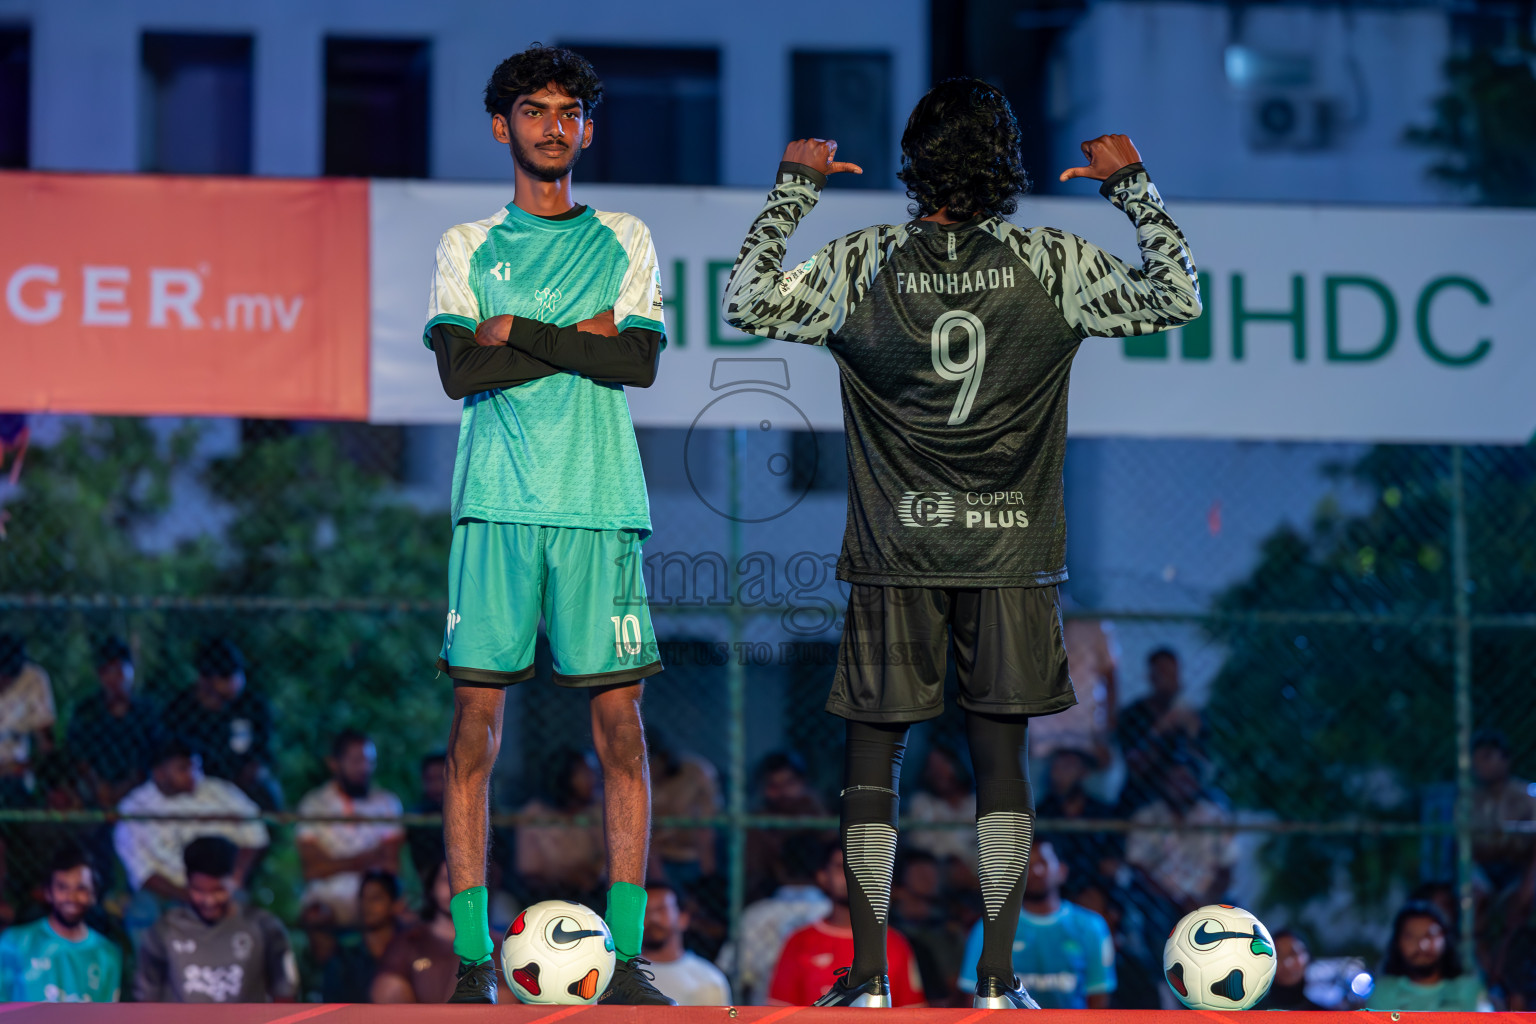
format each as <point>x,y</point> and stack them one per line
<point>1102,295</point>
<point>813,300</point>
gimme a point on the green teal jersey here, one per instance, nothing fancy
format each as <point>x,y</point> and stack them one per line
<point>38,965</point>
<point>558,451</point>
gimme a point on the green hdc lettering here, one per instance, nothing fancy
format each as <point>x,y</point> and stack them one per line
<point>719,334</point>
<point>1196,340</point>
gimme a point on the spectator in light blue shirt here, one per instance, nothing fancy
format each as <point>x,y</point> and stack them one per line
<point>1062,953</point>
<point>59,959</point>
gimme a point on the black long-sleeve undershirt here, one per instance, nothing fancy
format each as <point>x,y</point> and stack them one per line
<point>535,350</point>
<point>630,358</point>
<point>467,368</point>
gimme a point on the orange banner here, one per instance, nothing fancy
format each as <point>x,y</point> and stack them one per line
<point>145,294</point>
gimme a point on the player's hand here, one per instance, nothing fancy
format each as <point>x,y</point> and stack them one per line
<point>494,331</point>
<point>818,153</point>
<point>1106,155</point>
<point>602,324</point>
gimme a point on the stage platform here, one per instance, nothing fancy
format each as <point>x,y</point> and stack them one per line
<point>350,1013</point>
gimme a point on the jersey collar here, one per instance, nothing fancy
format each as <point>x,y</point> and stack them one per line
<point>521,216</point>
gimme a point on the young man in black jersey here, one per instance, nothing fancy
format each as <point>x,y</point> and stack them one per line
<point>955,335</point>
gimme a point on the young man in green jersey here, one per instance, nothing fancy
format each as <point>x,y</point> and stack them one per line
<point>61,959</point>
<point>540,315</point>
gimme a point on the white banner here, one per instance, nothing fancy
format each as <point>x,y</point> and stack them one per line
<point>1321,323</point>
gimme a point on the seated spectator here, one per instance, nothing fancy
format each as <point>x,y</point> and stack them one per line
<point>1062,953</point>
<point>349,972</point>
<point>707,902</point>
<point>60,788</point>
<point>426,841</point>
<point>26,719</point>
<point>419,964</point>
<point>1158,728</point>
<point>1289,989</point>
<point>114,733</point>
<point>1422,970</point>
<point>1504,849</point>
<point>1182,870</point>
<point>682,786</point>
<point>1518,970</point>
<point>1139,982</point>
<point>1088,725</point>
<point>811,956</point>
<point>944,796</point>
<point>1091,858</point>
<point>152,851</point>
<point>766,923</point>
<point>564,860</point>
<point>213,950</point>
<point>227,724</point>
<point>919,911</point>
<point>333,855</point>
<point>26,734</point>
<point>58,958</point>
<point>1506,856</point>
<point>783,790</point>
<point>686,977</point>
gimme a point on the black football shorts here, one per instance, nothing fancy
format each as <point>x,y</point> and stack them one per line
<point>1009,654</point>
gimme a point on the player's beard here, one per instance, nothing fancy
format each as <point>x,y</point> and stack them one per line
<point>543,171</point>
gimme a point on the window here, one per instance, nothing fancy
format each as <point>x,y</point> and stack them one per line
<point>196,104</point>
<point>649,95</point>
<point>376,113</point>
<point>847,97</point>
<point>15,95</point>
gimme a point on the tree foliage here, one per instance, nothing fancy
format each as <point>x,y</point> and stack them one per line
<point>1326,722</point>
<point>350,637</point>
<point>1483,122</point>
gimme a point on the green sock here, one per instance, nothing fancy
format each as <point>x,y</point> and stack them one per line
<point>472,924</point>
<point>626,918</point>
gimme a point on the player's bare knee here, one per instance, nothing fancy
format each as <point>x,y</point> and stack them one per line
<point>472,749</point>
<point>620,744</point>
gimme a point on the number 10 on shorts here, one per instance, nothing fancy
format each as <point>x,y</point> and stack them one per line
<point>623,629</point>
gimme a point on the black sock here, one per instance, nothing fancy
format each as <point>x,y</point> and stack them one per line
<point>871,771</point>
<point>1005,827</point>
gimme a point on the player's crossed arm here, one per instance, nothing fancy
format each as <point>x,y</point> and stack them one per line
<point>593,347</point>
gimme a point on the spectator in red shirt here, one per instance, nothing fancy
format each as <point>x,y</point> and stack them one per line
<point>807,965</point>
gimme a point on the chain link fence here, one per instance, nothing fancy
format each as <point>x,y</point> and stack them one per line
<point>1306,672</point>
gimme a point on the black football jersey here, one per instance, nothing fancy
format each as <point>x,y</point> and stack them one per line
<point>955,345</point>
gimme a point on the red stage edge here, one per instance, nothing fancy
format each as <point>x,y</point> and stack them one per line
<point>347,1013</point>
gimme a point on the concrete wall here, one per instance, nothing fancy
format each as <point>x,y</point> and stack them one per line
<point>1158,72</point>
<point>86,88</point>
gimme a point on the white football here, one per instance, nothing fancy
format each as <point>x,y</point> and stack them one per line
<point>1219,958</point>
<point>558,951</point>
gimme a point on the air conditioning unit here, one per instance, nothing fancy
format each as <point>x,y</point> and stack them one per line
<point>1279,119</point>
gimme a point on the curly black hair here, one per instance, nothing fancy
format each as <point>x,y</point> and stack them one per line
<point>961,151</point>
<point>536,67</point>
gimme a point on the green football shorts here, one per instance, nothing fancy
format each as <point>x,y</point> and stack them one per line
<point>587,585</point>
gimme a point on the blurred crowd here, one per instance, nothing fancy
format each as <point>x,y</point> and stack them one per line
<point>163,904</point>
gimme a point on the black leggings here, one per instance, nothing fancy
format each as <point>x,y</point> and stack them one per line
<point>871,778</point>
